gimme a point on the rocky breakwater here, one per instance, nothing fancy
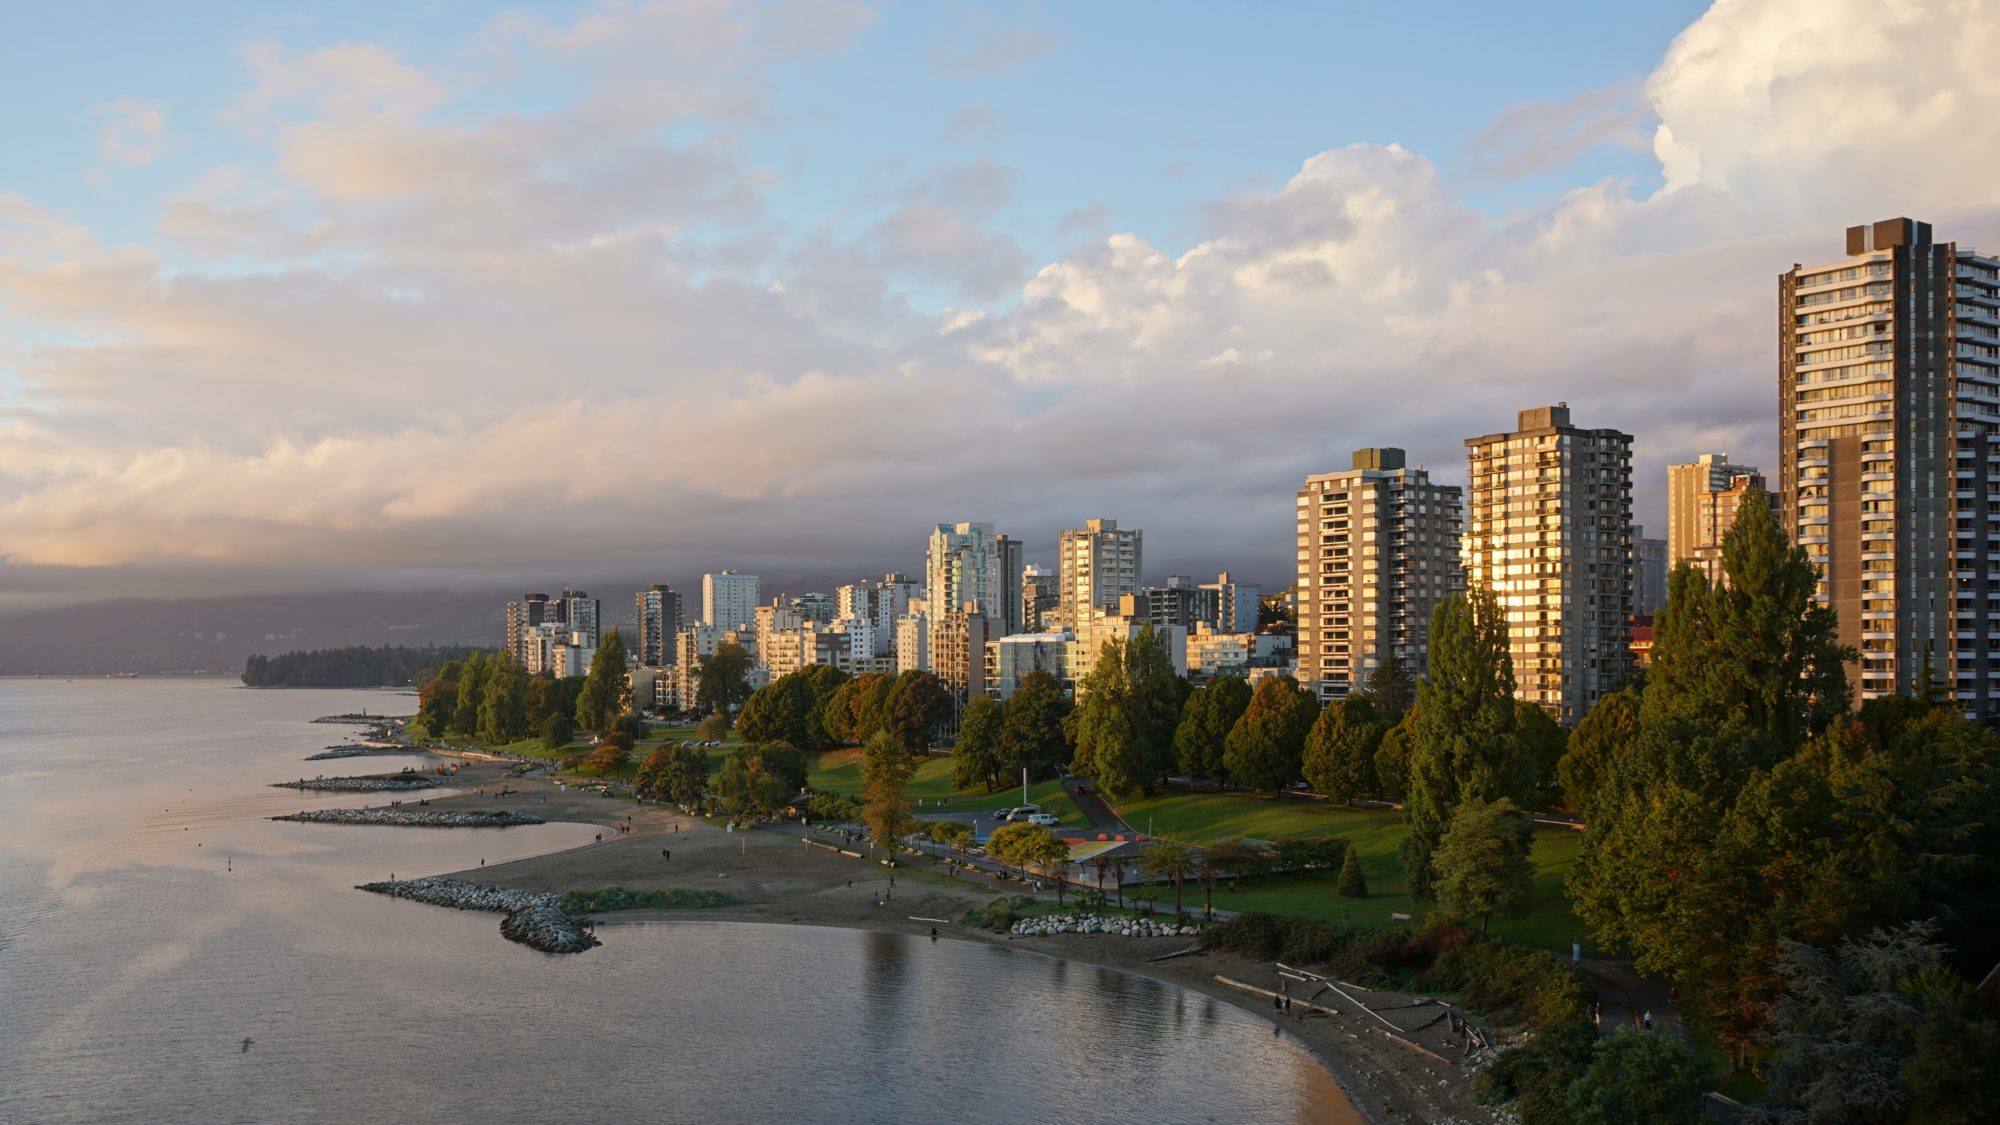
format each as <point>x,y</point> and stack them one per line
<point>533,918</point>
<point>1098,924</point>
<point>413,818</point>
<point>360,784</point>
<point>357,752</point>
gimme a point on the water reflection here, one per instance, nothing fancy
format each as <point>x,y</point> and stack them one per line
<point>133,961</point>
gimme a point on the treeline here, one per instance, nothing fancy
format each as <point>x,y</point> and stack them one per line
<point>353,666</point>
<point>490,696</point>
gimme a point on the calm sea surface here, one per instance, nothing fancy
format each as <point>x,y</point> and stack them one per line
<point>151,919</point>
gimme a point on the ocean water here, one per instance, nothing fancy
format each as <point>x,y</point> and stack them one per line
<point>151,919</point>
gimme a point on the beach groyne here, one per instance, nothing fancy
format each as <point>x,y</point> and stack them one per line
<point>533,918</point>
<point>361,784</point>
<point>356,751</point>
<point>413,818</point>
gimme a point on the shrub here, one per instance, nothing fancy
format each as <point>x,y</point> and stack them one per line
<point>824,807</point>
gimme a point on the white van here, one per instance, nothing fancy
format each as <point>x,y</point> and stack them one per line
<point>1046,820</point>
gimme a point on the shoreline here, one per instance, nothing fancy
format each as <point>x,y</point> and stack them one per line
<point>778,880</point>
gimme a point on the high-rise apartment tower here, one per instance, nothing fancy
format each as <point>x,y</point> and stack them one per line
<point>1548,528</point>
<point>1096,565</point>
<point>1889,448</point>
<point>1377,549</point>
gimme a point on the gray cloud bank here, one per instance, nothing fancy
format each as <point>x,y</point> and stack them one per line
<point>468,350</point>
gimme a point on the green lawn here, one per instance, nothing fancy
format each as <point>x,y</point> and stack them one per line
<point>1204,818</point>
<point>839,771</point>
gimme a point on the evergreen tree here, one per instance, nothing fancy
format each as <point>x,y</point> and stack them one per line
<point>1207,717</point>
<point>503,709</point>
<point>1352,883</point>
<point>1880,1030</point>
<point>1710,837</point>
<point>1391,690</point>
<point>605,692</point>
<point>1466,744</point>
<point>557,732</point>
<point>1107,745</point>
<point>1266,747</point>
<point>465,706</point>
<point>1155,694</point>
<point>976,758</point>
<point>1340,751</point>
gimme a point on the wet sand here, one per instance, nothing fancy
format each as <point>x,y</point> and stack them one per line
<point>776,878</point>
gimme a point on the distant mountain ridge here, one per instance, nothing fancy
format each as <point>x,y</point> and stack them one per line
<point>217,635</point>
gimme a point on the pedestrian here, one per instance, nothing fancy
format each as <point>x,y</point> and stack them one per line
<point>1277,1002</point>
<point>875,897</point>
<point>1649,1019</point>
<point>600,837</point>
<point>933,933</point>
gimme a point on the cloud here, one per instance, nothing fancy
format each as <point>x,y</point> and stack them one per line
<point>437,339</point>
<point>136,132</point>
<point>1090,218</point>
<point>980,46</point>
<point>973,123</point>
<point>1544,136</point>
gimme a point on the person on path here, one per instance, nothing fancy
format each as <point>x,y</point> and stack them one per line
<point>1649,1019</point>
<point>600,837</point>
<point>875,897</point>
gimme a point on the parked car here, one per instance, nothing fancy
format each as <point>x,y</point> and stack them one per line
<point>1003,814</point>
<point>1023,812</point>
<point>1046,820</point>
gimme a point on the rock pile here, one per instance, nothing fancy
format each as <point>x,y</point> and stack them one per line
<point>413,818</point>
<point>532,917</point>
<point>1099,924</point>
<point>355,752</point>
<point>359,784</point>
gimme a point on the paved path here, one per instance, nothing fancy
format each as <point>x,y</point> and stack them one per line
<point>1092,806</point>
<point>1625,997</point>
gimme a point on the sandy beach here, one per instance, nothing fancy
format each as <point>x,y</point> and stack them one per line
<point>776,878</point>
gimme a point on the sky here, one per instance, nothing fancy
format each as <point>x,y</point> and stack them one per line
<point>302,298</point>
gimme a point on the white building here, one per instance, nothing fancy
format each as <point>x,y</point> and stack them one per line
<point>1009,660</point>
<point>1096,565</point>
<point>968,566</point>
<point>881,603</point>
<point>729,600</point>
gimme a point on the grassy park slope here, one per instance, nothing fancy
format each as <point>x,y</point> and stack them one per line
<point>839,771</point>
<point>1205,817</point>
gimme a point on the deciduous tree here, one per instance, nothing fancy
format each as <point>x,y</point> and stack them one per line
<point>1265,749</point>
<point>722,679</point>
<point>605,694</point>
<point>1031,730</point>
<point>1207,717</point>
<point>1340,751</point>
<point>886,766</point>
<point>975,760</point>
<point>1481,865</point>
